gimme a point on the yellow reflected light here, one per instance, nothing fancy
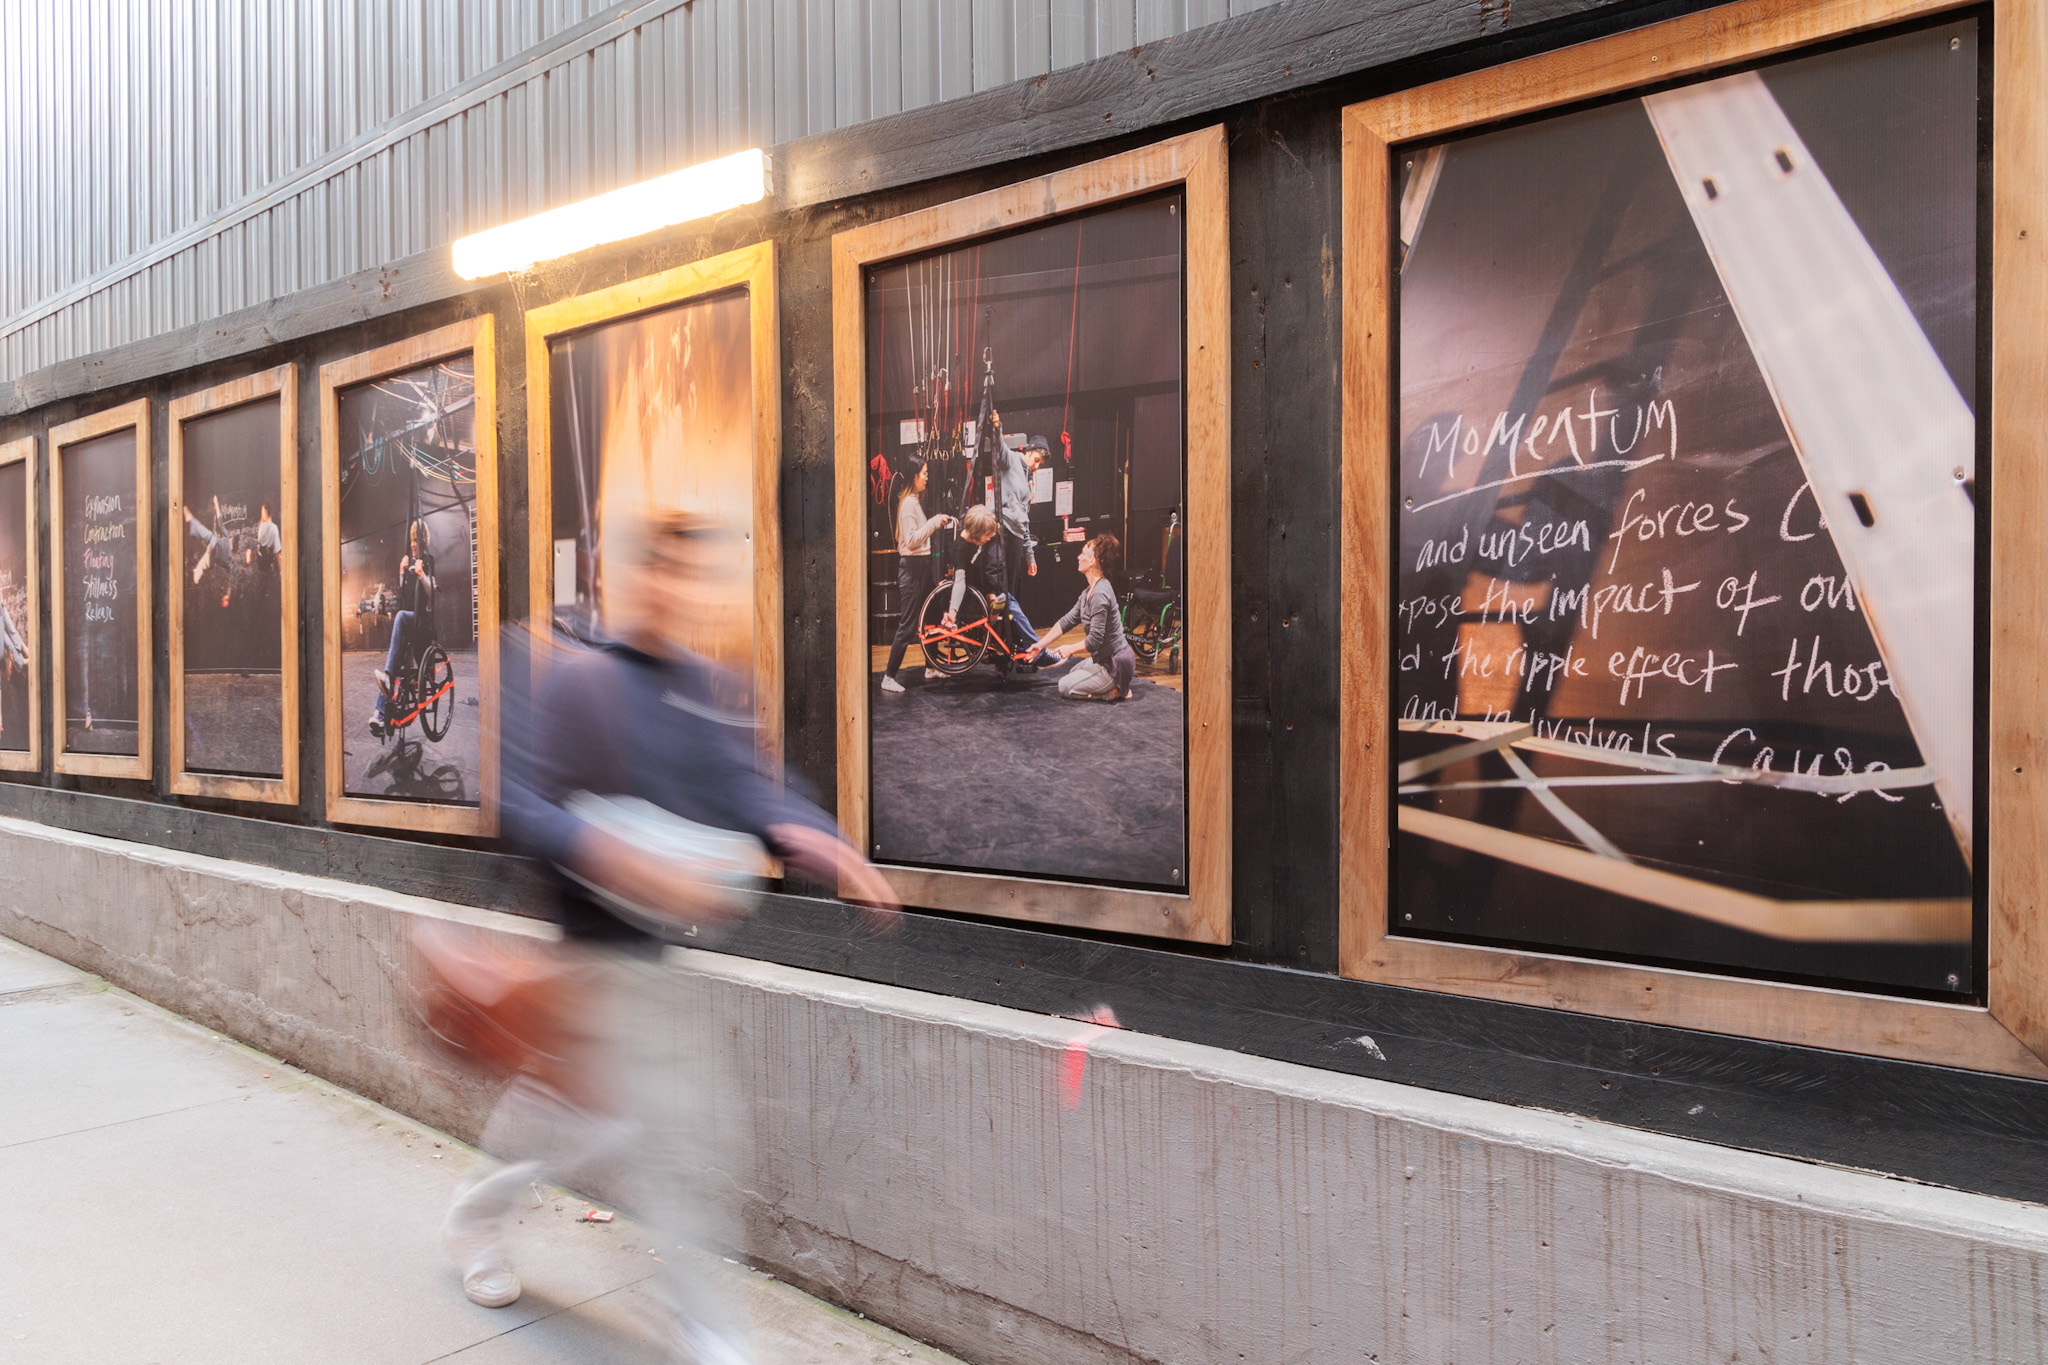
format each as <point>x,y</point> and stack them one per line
<point>696,192</point>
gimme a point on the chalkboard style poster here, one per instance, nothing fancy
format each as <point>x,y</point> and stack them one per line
<point>20,722</point>
<point>408,505</point>
<point>1002,372</point>
<point>234,642</point>
<point>100,590</point>
<point>1684,632</point>
<point>654,414</point>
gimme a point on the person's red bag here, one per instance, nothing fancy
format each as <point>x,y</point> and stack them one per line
<point>497,1007</point>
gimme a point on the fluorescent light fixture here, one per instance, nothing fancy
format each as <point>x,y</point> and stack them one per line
<point>696,192</point>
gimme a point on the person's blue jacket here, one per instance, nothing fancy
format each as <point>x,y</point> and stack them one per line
<point>613,721</point>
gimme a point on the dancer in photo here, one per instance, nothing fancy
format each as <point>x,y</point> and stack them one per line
<point>1106,673</point>
<point>13,652</point>
<point>914,576</point>
<point>413,623</point>
<point>219,552</point>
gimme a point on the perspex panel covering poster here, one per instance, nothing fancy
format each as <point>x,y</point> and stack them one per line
<point>102,599</point>
<point>408,513</point>
<point>1685,629</point>
<point>655,414</point>
<point>16,656</point>
<point>1026,481</point>
<point>231,548</point>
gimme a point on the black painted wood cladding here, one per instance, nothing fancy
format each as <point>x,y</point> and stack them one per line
<point>1272,993</point>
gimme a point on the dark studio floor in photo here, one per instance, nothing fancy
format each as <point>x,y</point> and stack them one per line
<point>14,728</point>
<point>115,737</point>
<point>978,773</point>
<point>405,767</point>
<point>234,723</point>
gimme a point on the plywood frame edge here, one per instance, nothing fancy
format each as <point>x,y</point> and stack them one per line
<point>2018,845</point>
<point>280,382</point>
<point>29,760</point>
<point>142,766</point>
<point>2011,1036</point>
<point>476,335</point>
<point>751,268</point>
<point>1197,161</point>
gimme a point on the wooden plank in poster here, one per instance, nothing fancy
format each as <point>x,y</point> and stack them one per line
<point>476,337</point>
<point>282,382</point>
<point>129,416</point>
<point>2011,1035</point>
<point>1197,161</point>
<point>29,760</point>
<point>751,268</point>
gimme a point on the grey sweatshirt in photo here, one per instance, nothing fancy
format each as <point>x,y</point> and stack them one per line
<point>1095,611</point>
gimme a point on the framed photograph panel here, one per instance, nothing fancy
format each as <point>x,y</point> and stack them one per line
<point>99,593</point>
<point>408,444</point>
<point>1670,433</point>
<point>662,395</point>
<point>234,600</point>
<point>21,714</point>
<point>1033,418</point>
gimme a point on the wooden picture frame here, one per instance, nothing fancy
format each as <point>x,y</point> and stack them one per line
<point>141,766</point>
<point>281,383</point>
<point>475,336</point>
<point>750,268</point>
<point>29,760</point>
<point>1197,162</point>
<point>2010,1034</point>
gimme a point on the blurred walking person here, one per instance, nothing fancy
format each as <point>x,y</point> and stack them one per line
<point>636,783</point>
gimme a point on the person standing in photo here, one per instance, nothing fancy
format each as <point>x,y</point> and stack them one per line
<point>914,575</point>
<point>269,540</point>
<point>264,560</point>
<point>1014,470</point>
<point>1107,672</point>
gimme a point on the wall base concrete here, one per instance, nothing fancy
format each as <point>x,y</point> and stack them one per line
<point>921,1159</point>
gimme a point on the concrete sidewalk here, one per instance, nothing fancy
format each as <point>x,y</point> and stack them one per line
<point>181,1198</point>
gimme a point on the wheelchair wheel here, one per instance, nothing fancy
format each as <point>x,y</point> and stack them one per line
<point>437,693</point>
<point>958,654</point>
<point>1153,631</point>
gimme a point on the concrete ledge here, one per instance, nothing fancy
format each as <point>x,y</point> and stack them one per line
<point>916,1158</point>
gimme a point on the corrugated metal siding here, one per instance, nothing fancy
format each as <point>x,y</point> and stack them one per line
<point>169,161</point>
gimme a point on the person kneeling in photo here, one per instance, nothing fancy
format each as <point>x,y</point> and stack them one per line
<point>1105,675</point>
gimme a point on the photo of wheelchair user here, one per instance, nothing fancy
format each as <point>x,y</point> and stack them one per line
<point>1031,385</point>
<point>412,677</point>
<point>978,560</point>
<point>412,625</point>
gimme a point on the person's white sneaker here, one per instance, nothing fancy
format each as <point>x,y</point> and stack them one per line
<point>890,685</point>
<point>492,1285</point>
<point>699,1345</point>
<point>932,675</point>
<point>473,1233</point>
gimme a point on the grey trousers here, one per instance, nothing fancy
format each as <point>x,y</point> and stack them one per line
<point>651,1133</point>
